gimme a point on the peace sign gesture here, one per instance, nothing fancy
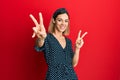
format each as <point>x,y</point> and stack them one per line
<point>39,30</point>
<point>79,41</point>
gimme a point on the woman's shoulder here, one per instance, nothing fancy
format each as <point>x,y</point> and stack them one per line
<point>68,39</point>
<point>48,35</point>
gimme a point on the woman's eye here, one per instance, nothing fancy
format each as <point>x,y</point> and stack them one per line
<point>66,21</point>
<point>59,20</point>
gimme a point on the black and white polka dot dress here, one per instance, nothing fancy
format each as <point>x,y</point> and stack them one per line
<point>59,59</point>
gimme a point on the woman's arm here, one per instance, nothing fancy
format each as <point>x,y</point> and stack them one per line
<point>39,30</point>
<point>79,44</point>
<point>76,57</point>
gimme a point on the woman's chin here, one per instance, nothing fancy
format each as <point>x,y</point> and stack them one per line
<point>62,30</point>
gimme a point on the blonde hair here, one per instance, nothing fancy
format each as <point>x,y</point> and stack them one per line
<point>51,28</point>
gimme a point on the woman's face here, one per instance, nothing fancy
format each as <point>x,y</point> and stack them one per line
<point>61,22</point>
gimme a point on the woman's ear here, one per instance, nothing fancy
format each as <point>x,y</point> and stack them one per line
<point>53,21</point>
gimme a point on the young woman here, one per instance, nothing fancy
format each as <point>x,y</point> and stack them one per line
<point>57,48</point>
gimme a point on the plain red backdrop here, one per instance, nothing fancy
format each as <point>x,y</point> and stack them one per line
<point>100,55</point>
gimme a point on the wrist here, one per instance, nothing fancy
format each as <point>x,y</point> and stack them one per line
<point>77,48</point>
<point>41,39</point>
<point>40,42</point>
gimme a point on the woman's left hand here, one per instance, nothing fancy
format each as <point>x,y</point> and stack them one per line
<point>79,41</point>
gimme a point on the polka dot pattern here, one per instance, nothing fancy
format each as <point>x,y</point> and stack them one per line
<point>59,59</point>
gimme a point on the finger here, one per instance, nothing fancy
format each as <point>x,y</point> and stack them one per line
<point>41,18</point>
<point>34,29</point>
<point>33,35</point>
<point>84,34</point>
<point>34,20</point>
<point>79,34</point>
<point>42,33</point>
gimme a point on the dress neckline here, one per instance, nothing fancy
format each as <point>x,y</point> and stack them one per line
<point>59,42</point>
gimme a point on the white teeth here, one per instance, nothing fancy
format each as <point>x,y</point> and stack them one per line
<point>62,27</point>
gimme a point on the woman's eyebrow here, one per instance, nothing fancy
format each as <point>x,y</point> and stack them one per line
<point>61,18</point>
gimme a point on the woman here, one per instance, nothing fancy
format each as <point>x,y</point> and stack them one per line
<point>56,47</point>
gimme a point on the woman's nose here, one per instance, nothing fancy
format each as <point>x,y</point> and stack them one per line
<point>63,22</point>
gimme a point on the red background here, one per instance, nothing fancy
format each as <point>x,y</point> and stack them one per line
<point>100,55</point>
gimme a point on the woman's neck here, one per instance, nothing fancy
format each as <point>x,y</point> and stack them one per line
<point>58,34</point>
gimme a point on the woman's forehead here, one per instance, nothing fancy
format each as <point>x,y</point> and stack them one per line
<point>63,16</point>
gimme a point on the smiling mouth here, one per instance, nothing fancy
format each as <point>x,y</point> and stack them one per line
<point>62,27</point>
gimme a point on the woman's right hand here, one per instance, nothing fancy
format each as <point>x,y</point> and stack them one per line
<point>39,30</point>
